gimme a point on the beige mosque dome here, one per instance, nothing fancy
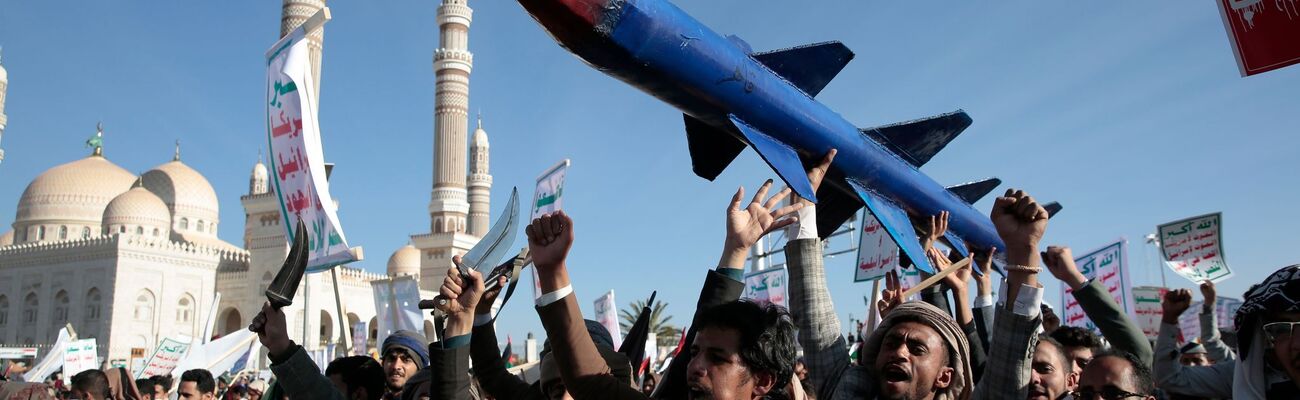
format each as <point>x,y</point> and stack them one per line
<point>137,211</point>
<point>480,136</point>
<point>72,194</point>
<point>187,194</point>
<point>404,261</point>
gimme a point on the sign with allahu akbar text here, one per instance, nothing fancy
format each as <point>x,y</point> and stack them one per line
<point>1193,248</point>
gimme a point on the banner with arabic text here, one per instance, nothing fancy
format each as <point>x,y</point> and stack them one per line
<point>1146,309</point>
<point>164,358</point>
<point>877,252</point>
<point>1109,267</point>
<point>607,316</point>
<point>297,157</point>
<point>549,195</point>
<point>1193,248</point>
<point>767,287</point>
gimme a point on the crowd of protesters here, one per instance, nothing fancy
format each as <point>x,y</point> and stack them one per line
<point>952,344</point>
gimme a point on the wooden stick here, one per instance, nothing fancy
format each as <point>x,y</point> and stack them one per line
<point>871,308</point>
<point>937,277</point>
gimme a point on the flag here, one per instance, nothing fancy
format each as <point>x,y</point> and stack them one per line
<point>219,355</point>
<point>509,353</point>
<point>297,156</point>
<point>607,316</point>
<point>396,306</point>
<point>549,195</point>
<point>53,359</point>
<point>634,345</point>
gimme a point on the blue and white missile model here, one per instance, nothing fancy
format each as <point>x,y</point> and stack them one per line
<point>733,97</point>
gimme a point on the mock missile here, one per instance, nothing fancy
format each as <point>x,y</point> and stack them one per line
<point>733,98</point>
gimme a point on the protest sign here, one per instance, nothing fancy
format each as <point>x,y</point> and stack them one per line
<point>549,195</point>
<point>164,358</point>
<point>1147,311</point>
<point>877,252</point>
<point>80,355</point>
<point>14,353</point>
<point>1109,267</point>
<point>909,278</point>
<point>297,156</point>
<point>1262,33</point>
<point>1193,248</point>
<point>607,316</point>
<point>359,339</point>
<point>767,287</point>
<point>1189,324</point>
<point>1225,311</point>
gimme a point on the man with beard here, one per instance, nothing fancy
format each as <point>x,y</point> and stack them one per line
<point>919,352</point>
<point>1051,375</point>
<point>741,351</point>
<point>1268,345</point>
<point>1115,375</point>
<point>404,354</point>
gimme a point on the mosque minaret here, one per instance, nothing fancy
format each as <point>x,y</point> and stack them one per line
<point>292,14</point>
<point>4,120</point>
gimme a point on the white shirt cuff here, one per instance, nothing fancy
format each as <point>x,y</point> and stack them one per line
<point>482,319</point>
<point>983,300</point>
<point>555,296</point>
<point>1028,300</point>
<point>806,228</point>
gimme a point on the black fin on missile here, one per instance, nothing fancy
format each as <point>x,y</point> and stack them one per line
<point>972,192</point>
<point>712,149</point>
<point>809,67</point>
<point>1052,208</point>
<point>919,140</point>
<point>835,203</point>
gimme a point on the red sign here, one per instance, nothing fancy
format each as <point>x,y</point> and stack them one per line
<point>1263,33</point>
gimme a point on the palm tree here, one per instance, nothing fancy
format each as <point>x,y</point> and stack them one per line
<point>658,321</point>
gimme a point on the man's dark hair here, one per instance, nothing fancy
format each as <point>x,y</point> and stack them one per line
<point>145,386</point>
<point>92,381</point>
<point>202,379</point>
<point>164,380</point>
<point>359,372</point>
<point>1059,350</point>
<point>1073,336</point>
<point>1141,372</point>
<point>767,338</point>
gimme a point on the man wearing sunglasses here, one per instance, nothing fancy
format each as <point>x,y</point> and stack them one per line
<point>1268,365</point>
<point>1115,375</point>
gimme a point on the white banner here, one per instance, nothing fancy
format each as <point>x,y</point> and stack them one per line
<point>607,315</point>
<point>219,355</point>
<point>1147,311</point>
<point>1108,266</point>
<point>297,158</point>
<point>397,306</point>
<point>1225,310</point>
<point>1193,248</point>
<point>767,287</point>
<point>52,361</point>
<point>359,333</point>
<point>549,195</point>
<point>80,355</point>
<point>17,352</point>
<point>1190,322</point>
<point>908,278</point>
<point>164,358</point>
<point>877,252</point>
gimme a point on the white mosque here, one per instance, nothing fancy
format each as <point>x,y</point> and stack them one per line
<point>130,260</point>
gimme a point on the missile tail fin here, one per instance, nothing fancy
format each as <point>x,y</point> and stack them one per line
<point>712,149</point>
<point>895,221</point>
<point>972,192</point>
<point>919,140</point>
<point>781,157</point>
<point>836,203</point>
<point>809,67</point>
<point>1053,208</point>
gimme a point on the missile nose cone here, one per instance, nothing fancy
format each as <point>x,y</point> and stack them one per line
<point>554,13</point>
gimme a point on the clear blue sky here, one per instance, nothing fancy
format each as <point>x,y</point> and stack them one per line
<point>1129,115</point>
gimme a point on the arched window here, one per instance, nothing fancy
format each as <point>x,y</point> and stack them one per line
<point>144,304</point>
<point>184,310</point>
<point>4,310</point>
<point>93,306</point>
<point>155,232</point>
<point>22,236</point>
<point>198,226</point>
<point>60,308</point>
<point>63,232</point>
<point>40,233</point>
<point>139,230</point>
<point>30,307</point>
<point>85,232</point>
<point>185,223</point>
<point>121,229</point>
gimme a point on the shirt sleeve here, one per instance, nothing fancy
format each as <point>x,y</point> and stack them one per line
<point>1028,300</point>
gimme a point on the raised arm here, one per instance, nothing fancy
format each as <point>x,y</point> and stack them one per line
<point>489,368</point>
<point>449,358</point>
<point>724,284</point>
<point>582,369</point>
<point>1168,372</point>
<point>1215,349</point>
<point>1097,303</point>
<point>296,373</point>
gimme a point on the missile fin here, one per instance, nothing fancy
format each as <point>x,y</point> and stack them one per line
<point>712,149</point>
<point>809,67</point>
<point>972,192</point>
<point>781,157</point>
<point>1053,208</point>
<point>919,140</point>
<point>897,224</point>
<point>741,43</point>
<point>836,203</point>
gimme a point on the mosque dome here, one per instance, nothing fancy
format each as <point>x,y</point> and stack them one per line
<point>405,261</point>
<point>187,194</point>
<point>480,135</point>
<point>257,182</point>
<point>137,211</point>
<point>70,195</point>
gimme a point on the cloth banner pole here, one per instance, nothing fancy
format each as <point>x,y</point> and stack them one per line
<point>344,332</point>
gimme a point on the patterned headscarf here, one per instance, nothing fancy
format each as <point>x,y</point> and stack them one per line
<point>1280,292</point>
<point>941,322</point>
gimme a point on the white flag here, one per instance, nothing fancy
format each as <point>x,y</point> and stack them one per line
<point>607,315</point>
<point>548,196</point>
<point>53,359</point>
<point>297,158</point>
